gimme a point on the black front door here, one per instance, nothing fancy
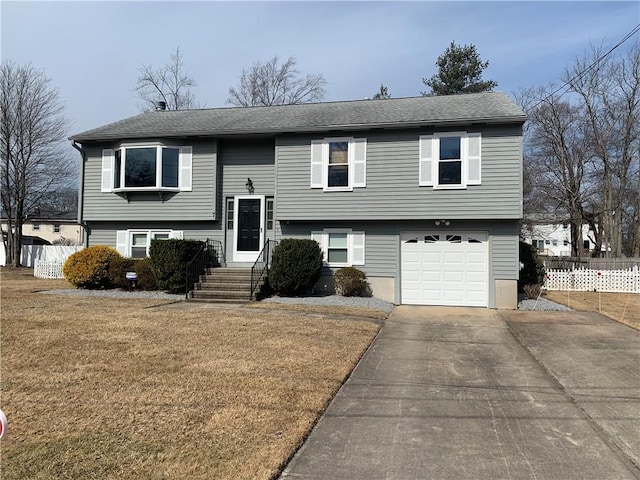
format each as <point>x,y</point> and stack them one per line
<point>248,225</point>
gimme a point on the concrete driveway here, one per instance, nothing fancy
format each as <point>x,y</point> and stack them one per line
<point>461,393</point>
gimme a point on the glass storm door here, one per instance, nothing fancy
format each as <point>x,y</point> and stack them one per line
<point>248,234</point>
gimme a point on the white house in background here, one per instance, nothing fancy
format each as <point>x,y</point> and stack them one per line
<point>551,235</point>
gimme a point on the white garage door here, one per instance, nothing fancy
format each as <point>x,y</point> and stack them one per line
<point>444,268</point>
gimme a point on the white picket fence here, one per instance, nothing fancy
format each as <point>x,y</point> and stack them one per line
<point>590,280</point>
<point>52,270</point>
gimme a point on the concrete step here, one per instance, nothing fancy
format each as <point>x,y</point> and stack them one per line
<point>230,301</point>
<point>231,286</point>
<point>222,294</point>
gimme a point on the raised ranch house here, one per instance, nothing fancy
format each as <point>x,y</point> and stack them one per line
<point>423,194</point>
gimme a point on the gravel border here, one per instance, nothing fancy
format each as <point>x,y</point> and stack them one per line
<point>113,293</point>
<point>541,305</point>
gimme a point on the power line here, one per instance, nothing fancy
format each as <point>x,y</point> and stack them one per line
<point>635,30</point>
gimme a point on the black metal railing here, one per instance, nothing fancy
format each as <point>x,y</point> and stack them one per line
<point>202,260</point>
<point>261,266</point>
<point>219,259</point>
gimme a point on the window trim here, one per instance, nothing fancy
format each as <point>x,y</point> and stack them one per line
<point>185,165</point>
<point>356,163</point>
<point>429,160</point>
<point>57,228</point>
<point>124,245</point>
<point>322,237</point>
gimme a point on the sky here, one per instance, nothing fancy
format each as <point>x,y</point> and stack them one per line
<point>92,51</point>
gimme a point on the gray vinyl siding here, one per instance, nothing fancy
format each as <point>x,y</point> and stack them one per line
<point>239,161</point>
<point>382,244</point>
<point>392,190</point>
<point>198,204</point>
<point>104,233</point>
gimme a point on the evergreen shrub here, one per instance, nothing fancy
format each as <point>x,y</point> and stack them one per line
<point>169,259</point>
<point>532,272</point>
<point>89,268</point>
<point>295,266</point>
<point>350,282</point>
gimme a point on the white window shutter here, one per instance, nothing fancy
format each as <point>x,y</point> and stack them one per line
<point>176,234</point>
<point>474,162</point>
<point>107,170</point>
<point>357,248</point>
<point>425,177</point>
<point>359,162</point>
<point>320,238</point>
<point>121,242</point>
<point>316,163</point>
<point>186,169</point>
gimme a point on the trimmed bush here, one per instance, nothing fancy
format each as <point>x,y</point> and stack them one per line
<point>295,266</point>
<point>89,268</point>
<point>350,282</point>
<point>532,272</point>
<point>169,259</point>
<point>146,275</point>
<point>118,269</point>
<point>143,268</point>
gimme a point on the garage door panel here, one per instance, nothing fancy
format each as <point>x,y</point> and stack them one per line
<point>449,271</point>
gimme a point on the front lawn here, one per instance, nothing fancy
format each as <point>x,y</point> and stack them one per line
<point>622,307</point>
<point>120,389</point>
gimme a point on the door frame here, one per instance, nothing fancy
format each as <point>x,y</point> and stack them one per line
<point>247,256</point>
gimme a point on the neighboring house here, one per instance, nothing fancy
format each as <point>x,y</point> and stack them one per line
<point>46,228</point>
<point>551,235</point>
<point>54,227</point>
<point>423,194</point>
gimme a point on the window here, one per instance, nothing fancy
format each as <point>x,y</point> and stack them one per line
<point>269,213</point>
<point>148,167</point>
<point>136,243</point>
<point>338,164</point>
<point>36,227</point>
<point>449,160</point>
<point>565,243</point>
<point>56,228</point>
<point>340,247</point>
<point>230,211</point>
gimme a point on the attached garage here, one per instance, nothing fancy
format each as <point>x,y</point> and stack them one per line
<point>444,268</point>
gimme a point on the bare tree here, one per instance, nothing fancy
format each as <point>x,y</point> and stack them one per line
<point>556,157</point>
<point>271,83</point>
<point>168,84</point>
<point>33,162</point>
<point>609,91</point>
<point>585,148</point>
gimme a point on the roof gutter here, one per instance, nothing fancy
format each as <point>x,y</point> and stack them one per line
<point>83,154</point>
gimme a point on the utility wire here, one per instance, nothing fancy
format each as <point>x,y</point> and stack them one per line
<point>568,83</point>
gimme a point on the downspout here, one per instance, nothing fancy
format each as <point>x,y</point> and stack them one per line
<point>85,227</point>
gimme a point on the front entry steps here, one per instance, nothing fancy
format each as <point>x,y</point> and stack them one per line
<point>223,285</point>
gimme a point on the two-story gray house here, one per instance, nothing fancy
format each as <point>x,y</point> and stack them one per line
<point>423,194</point>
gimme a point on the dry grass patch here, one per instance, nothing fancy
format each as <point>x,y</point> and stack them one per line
<point>109,388</point>
<point>323,309</point>
<point>622,307</point>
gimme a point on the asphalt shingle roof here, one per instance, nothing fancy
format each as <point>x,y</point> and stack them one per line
<point>488,107</point>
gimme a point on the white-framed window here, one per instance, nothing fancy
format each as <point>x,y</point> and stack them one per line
<point>150,167</point>
<point>135,243</point>
<point>269,213</point>
<point>36,227</point>
<point>56,228</point>
<point>339,164</point>
<point>230,212</point>
<point>450,160</point>
<point>340,247</point>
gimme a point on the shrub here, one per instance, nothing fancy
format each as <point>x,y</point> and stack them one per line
<point>532,291</point>
<point>532,272</point>
<point>118,269</point>
<point>146,275</point>
<point>295,266</point>
<point>89,268</point>
<point>350,282</point>
<point>169,259</point>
